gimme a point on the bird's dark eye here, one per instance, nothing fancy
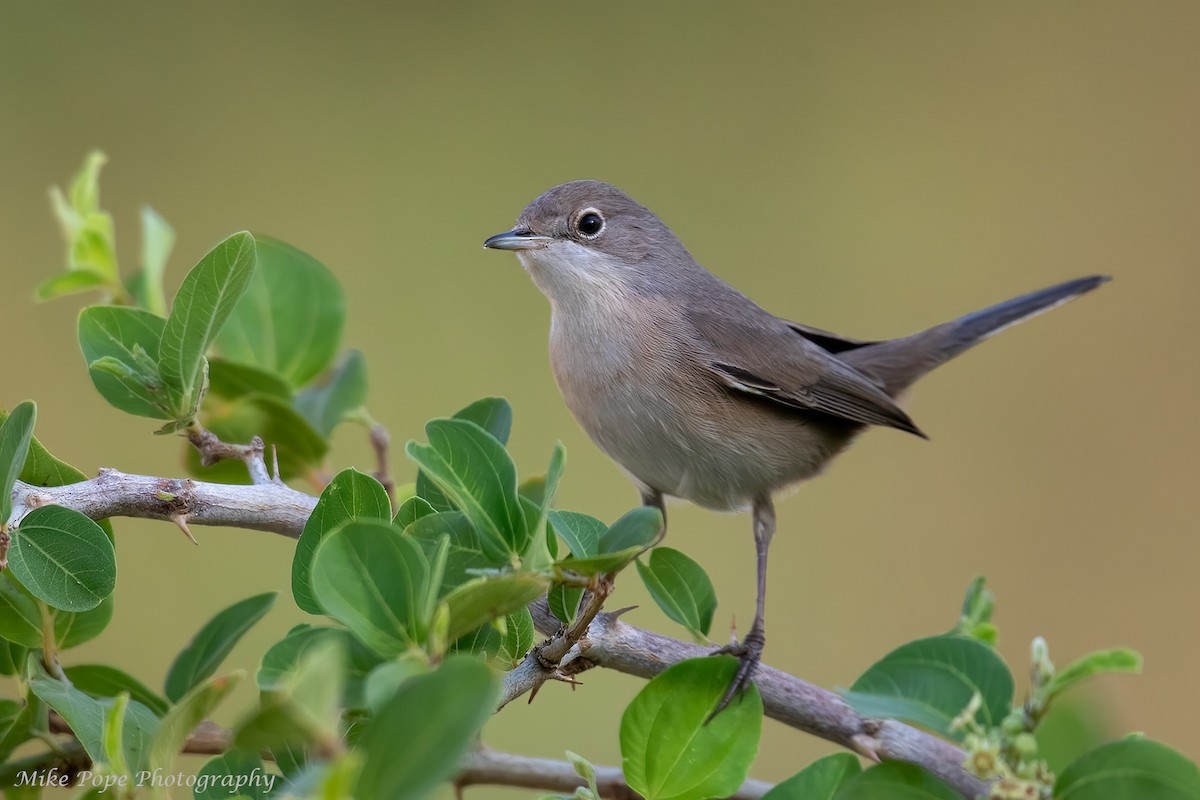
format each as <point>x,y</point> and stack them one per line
<point>590,223</point>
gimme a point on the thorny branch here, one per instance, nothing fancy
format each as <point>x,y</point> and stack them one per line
<point>597,639</point>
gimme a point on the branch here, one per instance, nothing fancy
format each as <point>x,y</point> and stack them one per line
<point>607,642</point>
<point>612,644</point>
<point>213,450</point>
<point>270,506</point>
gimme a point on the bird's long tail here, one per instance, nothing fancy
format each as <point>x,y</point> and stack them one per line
<point>898,362</point>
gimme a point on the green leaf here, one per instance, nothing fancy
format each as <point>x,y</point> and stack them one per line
<point>12,659</point>
<point>895,780</point>
<point>341,391</point>
<point>15,435</point>
<point>385,679</point>
<point>669,748</point>
<point>636,528</point>
<point>202,305</point>
<point>1120,659</point>
<point>494,415</point>
<point>303,708</point>
<point>20,619</point>
<point>374,579</point>
<point>235,772</point>
<point>205,652</point>
<point>43,469</point>
<point>298,445</point>
<point>72,629</point>
<point>16,725</point>
<point>472,468</point>
<point>101,680</point>
<point>620,544</point>
<point>681,588</point>
<point>820,780</point>
<point>465,554</point>
<point>537,555</point>
<point>930,681</point>
<point>283,657</point>
<point>63,558</point>
<point>290,320</point>
<point>1130,769</point>
<point>185,715</point>
<point>85,716</point>
<point>564,602</point>
<point>158,238</point>
<point>581,532</point>
<point>406,761</point>
<point>412,510</point>
<point>233,380</point>
<point>65,283</point>
<point>504,642</point>
<point>351,495</point>
<point>482,600</point>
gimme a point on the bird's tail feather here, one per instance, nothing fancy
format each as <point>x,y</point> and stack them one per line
<point>898,362</point>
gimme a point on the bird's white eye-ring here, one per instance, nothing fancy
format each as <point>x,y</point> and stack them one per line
<point>589,223</point>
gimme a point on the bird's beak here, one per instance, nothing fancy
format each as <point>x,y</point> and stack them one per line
<point>517,240</point>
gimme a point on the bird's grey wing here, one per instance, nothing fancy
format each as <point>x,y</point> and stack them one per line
<point>763,357</point>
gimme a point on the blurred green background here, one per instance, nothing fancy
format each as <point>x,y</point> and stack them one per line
<point>871,168</point>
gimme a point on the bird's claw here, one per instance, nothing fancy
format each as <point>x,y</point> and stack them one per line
<point>749,655</point>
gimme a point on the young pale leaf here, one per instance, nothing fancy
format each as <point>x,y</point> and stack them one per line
<point>670,750</point>
<point>185,715</point>
<point>16,433</point>
<point>235,772</point>
<point>63,558</point>
<point>100,680</point>
<point>494,415</point>
<point>472,468</point>
<point>298,445</point>
<point>681,588</point>
<point>820,780</point>
<point>930,681</point>
<point>1120,659</point>
<point>480,601</point>
<point>290,320</point>
<point>203,303</point>
<point>351,495</point>
<point>73,282</point>
<point>341,391</point>
<point>303,708</point>
<point>1130,769</point>
<point>412,510</point>
<point>375,580</point>
<point>581,532</point>
<point>406,761</point>
<point>233,380</point>
<point>158,238</point>
<point>895,780</point>
<point>205,652</point>
<point>464,553</point>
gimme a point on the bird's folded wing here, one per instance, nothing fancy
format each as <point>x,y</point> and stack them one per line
<point>831,342</point>
<point>768,360</point>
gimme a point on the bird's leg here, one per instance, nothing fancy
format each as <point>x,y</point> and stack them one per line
<point>749,650</point>
<point>653,497</point>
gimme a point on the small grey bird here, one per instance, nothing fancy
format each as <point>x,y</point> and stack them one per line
<point>696,391</point>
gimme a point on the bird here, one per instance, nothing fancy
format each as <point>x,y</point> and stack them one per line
<point>696,391</point>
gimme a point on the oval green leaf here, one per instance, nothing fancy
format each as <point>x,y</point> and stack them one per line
<point>681,588</point>
<point>494,415</point>
<point>581,532</point>
<point>374,579</point>
<point>895,780</point>
<point>235,773</point>
<point>482,600</point>
<point>820,780</point>
<point>667,750</point>
<point>63,558</point>
<point>130,337</point>
<point>205,652</point>
<point>205,300</point>
<point>341,391</point>
<point>101,680</point>
<point>349,496</point>
<point>930,681</point>
<point>1131,769</point>
<point>406,761</point>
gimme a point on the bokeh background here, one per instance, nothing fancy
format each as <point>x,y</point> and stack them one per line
<point>871,168</point>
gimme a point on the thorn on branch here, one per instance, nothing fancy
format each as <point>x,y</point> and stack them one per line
<point>181,521</point>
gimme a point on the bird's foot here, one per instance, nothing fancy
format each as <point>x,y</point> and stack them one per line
<point>749,655</point>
